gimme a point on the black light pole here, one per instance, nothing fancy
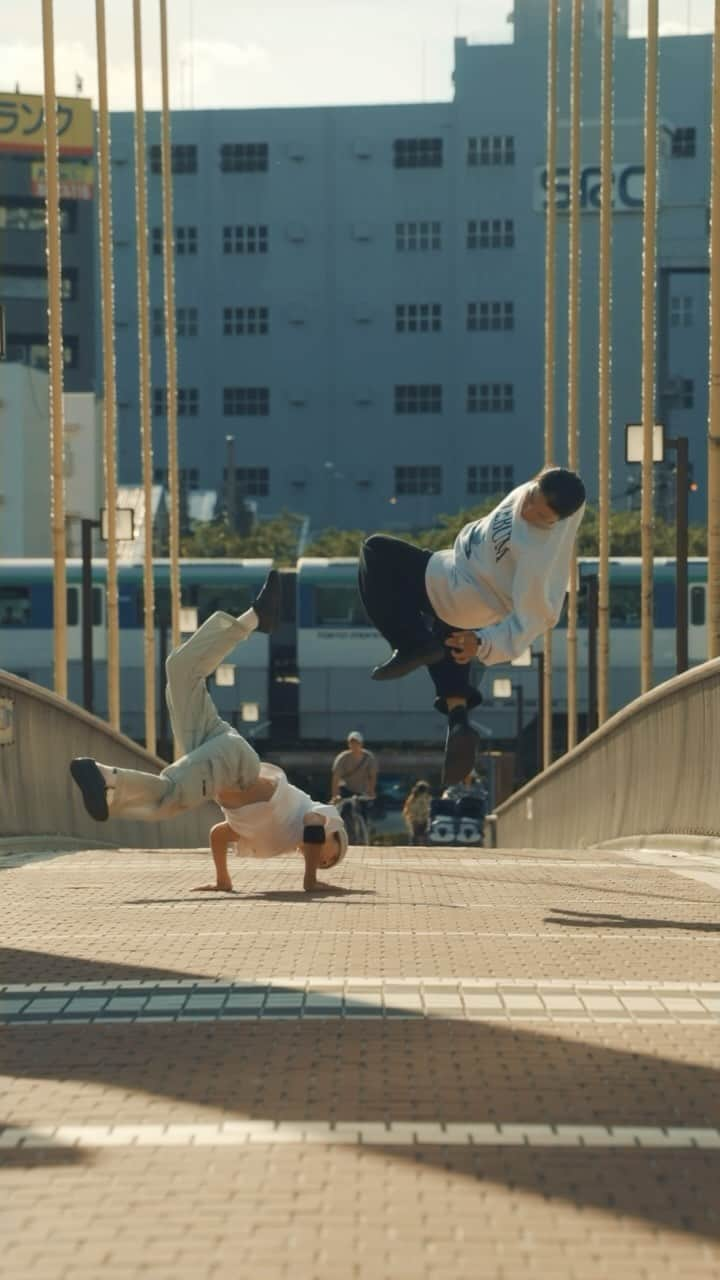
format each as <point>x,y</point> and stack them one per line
<point>539,657</point>
<point>680,445</point>
<point>592,632</point>
<point>87,525</point>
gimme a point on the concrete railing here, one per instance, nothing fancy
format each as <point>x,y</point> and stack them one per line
<point>39,735</point>
<point>653,769</point>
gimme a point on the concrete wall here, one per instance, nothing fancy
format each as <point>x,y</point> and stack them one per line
<point>39,735</point>
<point>650,770</point>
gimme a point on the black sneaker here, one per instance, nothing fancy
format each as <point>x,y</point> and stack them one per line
<point>267,604</point>
<point>401,663</point>
<point>92,784</point>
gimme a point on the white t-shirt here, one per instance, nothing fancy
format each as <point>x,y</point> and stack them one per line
<point>271,827</point>
<point>504,578</point>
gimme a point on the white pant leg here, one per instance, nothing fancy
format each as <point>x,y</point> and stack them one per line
<point>145,796</point>
<point>193,713</point>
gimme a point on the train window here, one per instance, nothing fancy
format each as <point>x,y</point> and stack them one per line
<point>339,607</point>
<point>73,606</point>
<point>14,606</point>
<point>625,604</point>
<point>209,599</point>
<point>697,606</point>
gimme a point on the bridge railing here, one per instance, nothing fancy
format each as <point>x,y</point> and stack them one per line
<point>39,735</point>
<point>652,769</point>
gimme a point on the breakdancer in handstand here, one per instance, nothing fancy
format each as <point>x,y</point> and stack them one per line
<point>263,814</point>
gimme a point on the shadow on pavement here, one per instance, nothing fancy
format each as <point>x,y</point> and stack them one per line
<point>425,1069</point>
<point>609,920</point>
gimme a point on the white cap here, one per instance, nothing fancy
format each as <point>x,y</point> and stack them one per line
<point>355,736</point>
<point>334,826</point>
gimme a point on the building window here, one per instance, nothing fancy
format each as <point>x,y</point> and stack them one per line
<point>681,311</point>
<point>413,481</point>
<point>490,316</point>
<point>492,149</point>
<point>683,143</point>
<point>418,153</point>
<point>244,157</point>
<point>485,482</point>
<point>681,393</point>
<point>186,239</point>
<point>183,158</point>
<point>418,317</point>
<point>246,402</point>
<point>245,239</point>
<point>423,398</point>
<point>27,214</point>
<point>250,482</point>
<point>490,397</point>
<point>188,401</point>
<point>189,477</point>
<point>490,233</point>
<point>32,349</point>
<point>240,322</point>
<point>31,283</point>
<point>186,322</point>
<point>411,237</point>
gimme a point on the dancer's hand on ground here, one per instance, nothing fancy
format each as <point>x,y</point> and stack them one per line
<point>221,886</point>
<point>463,646</point>
<point>319,886</point>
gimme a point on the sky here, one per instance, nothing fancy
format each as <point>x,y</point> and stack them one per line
<point>246,53</point>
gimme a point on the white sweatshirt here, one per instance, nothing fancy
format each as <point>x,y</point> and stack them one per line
<point>504,578</point>
<point>271,827</point>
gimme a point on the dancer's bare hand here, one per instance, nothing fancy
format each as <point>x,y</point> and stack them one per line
<point>221,886</point>
<point>319,887</point>
<point>463,646</point>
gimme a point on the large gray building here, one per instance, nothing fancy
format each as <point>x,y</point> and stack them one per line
<point>360,290</point>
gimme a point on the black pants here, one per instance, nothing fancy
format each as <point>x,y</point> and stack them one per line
<point>391,578</point>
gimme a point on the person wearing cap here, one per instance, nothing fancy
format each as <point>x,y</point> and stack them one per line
<point>500,586</point>
<point>354,771</point>
<point>263,814</point>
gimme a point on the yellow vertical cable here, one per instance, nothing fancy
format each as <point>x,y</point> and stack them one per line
<point>55,357</point>
<point>108,348</point>
<point>170,341</point>
<point>713,510</point>
<point>573,423</point>
<point>141,231</point>
<point>648,346</point>
<point>605,364</point>
<point>550,260</point>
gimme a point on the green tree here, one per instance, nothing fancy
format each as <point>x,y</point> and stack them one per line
<point>275,539</point>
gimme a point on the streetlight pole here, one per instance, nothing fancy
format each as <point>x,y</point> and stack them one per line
<point>680,445</point>
<point>86,526</point>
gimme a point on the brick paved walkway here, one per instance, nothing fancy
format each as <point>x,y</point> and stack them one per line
<point>501,1065</point>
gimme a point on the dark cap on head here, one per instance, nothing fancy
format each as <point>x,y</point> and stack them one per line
<point>563,490</point>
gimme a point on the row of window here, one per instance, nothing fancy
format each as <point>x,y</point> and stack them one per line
<point>254,402</point>
<point>410,317</point>
<point>480,397</point>
<point>409,481</point>
<point>408,153</point>
<point>410,237</point>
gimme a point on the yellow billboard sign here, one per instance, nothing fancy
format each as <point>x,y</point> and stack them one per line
<point>22,124</point>
<point>76,179</point>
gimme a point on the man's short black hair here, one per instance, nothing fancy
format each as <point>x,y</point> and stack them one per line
<point>563,490</point>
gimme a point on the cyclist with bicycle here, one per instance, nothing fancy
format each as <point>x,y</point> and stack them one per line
<point>353,785</point>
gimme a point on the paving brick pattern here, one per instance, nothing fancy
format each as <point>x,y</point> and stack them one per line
<point>457,1066</point>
